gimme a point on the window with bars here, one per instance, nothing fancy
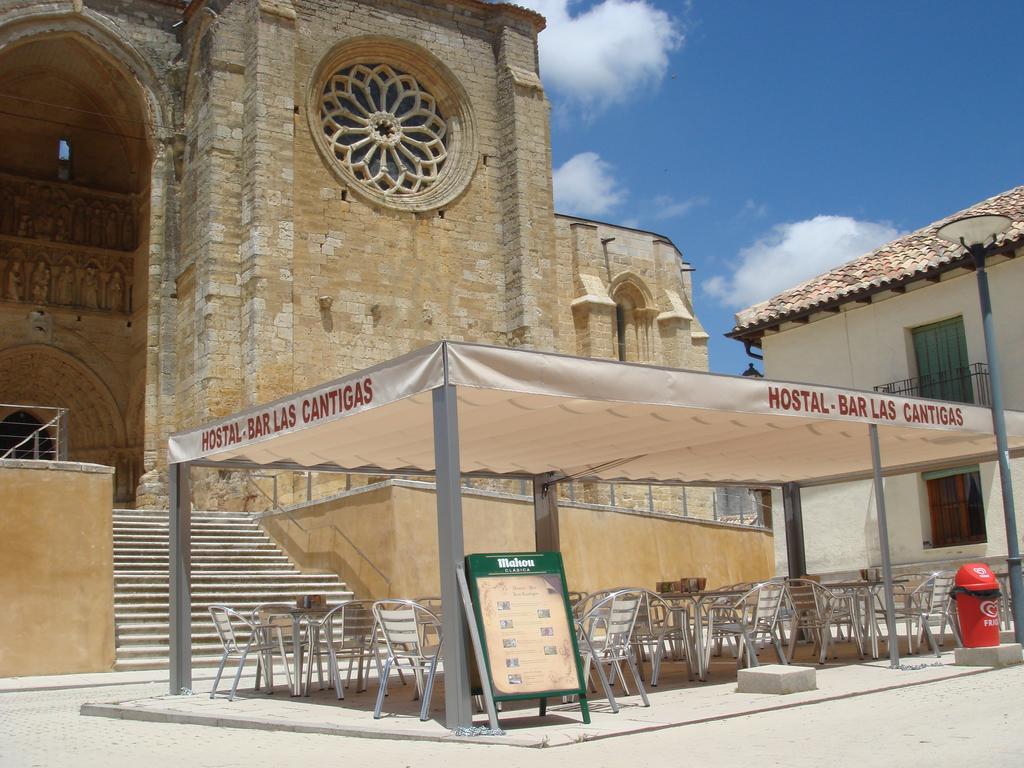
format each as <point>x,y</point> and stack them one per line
<point>956,507</point>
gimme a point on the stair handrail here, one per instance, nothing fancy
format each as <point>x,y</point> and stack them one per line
<point>277,509</point>
<point>34,437</point>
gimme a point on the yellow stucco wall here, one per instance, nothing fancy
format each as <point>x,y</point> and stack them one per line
<point>393,526</point>
<point>56,568</point>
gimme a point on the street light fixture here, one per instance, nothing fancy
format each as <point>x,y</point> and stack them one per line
<point>977,234</point>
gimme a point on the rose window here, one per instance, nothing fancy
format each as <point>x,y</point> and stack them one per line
<point>384,128</point>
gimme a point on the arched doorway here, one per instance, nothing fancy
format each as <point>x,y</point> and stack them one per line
<point>22,437</point>
<point>75,169</point>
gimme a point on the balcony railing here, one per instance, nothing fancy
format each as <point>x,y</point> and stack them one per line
<point>969,384</point>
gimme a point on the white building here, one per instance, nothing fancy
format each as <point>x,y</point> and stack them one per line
<point>904,318</point>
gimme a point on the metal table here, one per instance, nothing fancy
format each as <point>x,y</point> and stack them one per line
<point>699,601</point>
<point>300,615</point>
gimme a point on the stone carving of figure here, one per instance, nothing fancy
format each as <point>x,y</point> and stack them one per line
<point>14,282</point>
<point>91,289</point>
<point>97,222</point>
<point>79,228</point>
<point>128,231</point>
<point>25,226</point>
<point>60,233</point>
<point>110,238</point>
<point>65,286</point>
<point>116,293</point>
<point>41,284</point>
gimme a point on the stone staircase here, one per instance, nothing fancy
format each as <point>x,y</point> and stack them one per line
<point>233,562</point>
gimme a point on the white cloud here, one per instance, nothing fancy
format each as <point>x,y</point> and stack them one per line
<point>791,253</point>
<point>666,207</point>
<point>586,185</point>
<point>607,53</point>
<point>753,210</point>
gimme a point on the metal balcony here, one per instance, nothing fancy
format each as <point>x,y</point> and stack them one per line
<point>969,384</point>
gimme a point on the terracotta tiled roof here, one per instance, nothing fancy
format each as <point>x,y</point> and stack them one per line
<point>916,254</point>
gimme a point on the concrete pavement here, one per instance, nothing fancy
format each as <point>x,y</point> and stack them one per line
<point>976,720</point>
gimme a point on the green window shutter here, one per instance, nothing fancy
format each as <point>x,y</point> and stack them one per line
<point>942,363</point>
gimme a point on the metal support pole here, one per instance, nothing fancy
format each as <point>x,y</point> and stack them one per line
<point>180,607</point>
<point>883,545</point>
<point>309,486</point>
<point>1013,560</point>
<point>650,498</point>
<point>451,553</point>
<point>796,553</point>
<point>545,514</point>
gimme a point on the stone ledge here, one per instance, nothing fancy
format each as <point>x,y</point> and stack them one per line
<point>57,466</point>
<point>1004,655</point>
<point>776,679</point>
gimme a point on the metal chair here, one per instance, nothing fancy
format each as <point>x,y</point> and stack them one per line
<point>408,631</point>
<point>815,610</point>
<point>239,636</point>
<point>926,606</point>
<point>274,620</point>
<point>606,637</point>
<point>346,632</point>
<point>660,625</point>
<point>587,601</point>
<point>753,614</point>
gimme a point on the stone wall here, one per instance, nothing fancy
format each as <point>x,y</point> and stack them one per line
<point>57,579</point>
<point>382,540</point>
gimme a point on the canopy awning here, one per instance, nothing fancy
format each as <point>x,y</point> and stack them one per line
<point>524,413</point>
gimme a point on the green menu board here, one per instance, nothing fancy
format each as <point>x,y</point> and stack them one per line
<point>526,626</point>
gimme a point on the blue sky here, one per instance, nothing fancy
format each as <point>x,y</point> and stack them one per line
<point>772,141</point>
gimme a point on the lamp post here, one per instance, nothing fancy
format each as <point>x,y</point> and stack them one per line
<point>977,234</point>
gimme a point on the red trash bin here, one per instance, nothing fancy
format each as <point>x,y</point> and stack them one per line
<point>977,605</point>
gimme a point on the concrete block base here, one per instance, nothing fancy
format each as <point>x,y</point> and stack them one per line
<point>776,678</point>
<point>1004,655</point>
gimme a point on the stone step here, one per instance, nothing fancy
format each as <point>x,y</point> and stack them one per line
<point>160,569</point>
<point>144,614</point>
<point>215,581</point>
<point>161,540</point>
<point>230,597</point>
<point>234,563</point>
<point>202,555</point>
<point>160,662</point>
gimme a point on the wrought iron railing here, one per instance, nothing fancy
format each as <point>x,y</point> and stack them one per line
<point>33,440</point>
<point>969,384</point>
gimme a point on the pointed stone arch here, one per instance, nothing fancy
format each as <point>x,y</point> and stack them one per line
<point>145,285</point>
<point>41,375</point>
<point>635,311</point>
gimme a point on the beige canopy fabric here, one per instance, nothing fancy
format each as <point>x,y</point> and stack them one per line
<point>530,413</point>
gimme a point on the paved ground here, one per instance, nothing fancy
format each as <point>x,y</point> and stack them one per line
<point>977,720</point>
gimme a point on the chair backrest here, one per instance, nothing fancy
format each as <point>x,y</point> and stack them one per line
<point>582,606</point>
<point>761,604</point>
<point>810,601</point>
<point>406,626</point>
<point>272,615</point>
<point>609,622</point>
<point>432,604</point>
<point>941,585</point>
<point>225,621</point>
<point>350,624</point>
<point>655,613</point>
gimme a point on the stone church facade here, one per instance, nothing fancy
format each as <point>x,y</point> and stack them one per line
<point>207,205</point>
